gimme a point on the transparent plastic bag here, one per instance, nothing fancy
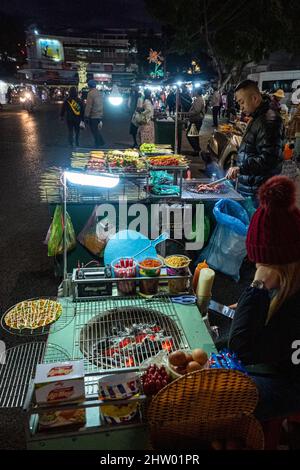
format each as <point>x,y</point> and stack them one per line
<point>95,234</point>
<point>227,248</point>
<point>54,238</point>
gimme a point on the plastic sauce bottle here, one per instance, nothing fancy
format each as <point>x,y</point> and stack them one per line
<point>197,273</point>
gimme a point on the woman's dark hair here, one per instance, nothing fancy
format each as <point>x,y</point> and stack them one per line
<point>73,92</point>
<point>147,95</point>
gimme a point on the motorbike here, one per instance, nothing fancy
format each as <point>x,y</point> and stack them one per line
<point>222,148</point>
<point>27,101</point>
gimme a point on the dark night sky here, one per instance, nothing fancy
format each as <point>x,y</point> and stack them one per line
<point>89,15</point>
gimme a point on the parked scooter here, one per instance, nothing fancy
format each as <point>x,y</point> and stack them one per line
<point>222,148</point>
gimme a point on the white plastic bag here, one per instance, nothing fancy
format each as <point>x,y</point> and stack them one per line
<point>82,125</point>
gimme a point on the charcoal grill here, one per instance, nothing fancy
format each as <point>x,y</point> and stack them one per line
<point>144,327</point>
<point>93,321</point>
<point>125,337</point>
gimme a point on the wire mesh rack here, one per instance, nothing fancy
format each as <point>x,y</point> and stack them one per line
<point>17,368</point>
<point>62,321</point>
<point>113,327</point>
<point>133,188</point>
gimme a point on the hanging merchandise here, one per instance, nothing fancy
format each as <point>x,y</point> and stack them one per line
<point>193,132</point>
<point>96,233</point>
<point>55,238</point>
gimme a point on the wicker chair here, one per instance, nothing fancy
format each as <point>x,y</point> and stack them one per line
<point>204,406</point>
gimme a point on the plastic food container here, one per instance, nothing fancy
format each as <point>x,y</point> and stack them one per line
<point>118,386</point>
<point>117,414</point>
<point>125,268</point>
<point>150,267</point>
<point>178,265</point>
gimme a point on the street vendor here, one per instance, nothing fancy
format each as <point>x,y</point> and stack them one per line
<point>266,325</point>
<point>260,152</point>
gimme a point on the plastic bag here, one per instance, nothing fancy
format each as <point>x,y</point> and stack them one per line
<point>55,239</point>
<point>226,248</point>
<point>82,125</point>
<point>95,234</point>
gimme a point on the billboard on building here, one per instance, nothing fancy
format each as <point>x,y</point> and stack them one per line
<point>51,49</point>
<point>102,77</point>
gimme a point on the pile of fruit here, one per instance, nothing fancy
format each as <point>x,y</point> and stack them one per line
<point>182,362</point>
<point>168,160</point>
<point>154,379</point>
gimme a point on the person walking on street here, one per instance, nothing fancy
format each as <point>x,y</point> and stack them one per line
<point>94,112</point>
<point>171,102</point>
<point>260,153</point>
<point>73,109</point>
<point>185,100</point>
<point>134,125</point>
<point>146,124</point>
<point>196,116</point>
<point>216,101</point>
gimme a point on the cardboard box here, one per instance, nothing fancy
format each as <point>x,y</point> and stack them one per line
<point>59,382</point>
<point>55,419</point>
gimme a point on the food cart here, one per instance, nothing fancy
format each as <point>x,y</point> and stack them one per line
<point>109,329</point>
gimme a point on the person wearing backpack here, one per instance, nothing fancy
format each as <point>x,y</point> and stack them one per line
<point>72,108</point>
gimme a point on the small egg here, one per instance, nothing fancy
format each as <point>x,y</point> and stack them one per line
<point>200,356</point>
<point>177,358</point>
<point>192,366</point>
<point>189,357</point>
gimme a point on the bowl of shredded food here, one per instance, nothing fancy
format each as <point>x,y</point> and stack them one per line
<point>178,265</point>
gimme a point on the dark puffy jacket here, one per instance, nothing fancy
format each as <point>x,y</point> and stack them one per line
<point>260,153</point>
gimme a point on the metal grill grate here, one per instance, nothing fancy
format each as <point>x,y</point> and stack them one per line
<point>65,318</point>
<point>17,368</point>
<point>97,320</point>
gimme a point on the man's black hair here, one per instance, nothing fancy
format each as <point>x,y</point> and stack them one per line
<point>247,85</point>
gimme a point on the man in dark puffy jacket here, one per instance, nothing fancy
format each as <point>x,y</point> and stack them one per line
<point>260,153</point>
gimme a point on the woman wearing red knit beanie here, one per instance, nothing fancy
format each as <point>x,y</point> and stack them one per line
<point>266,326</point>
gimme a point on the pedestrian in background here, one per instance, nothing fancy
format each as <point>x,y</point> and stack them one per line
<point>216,101</point>
<point>171,102</point>
<point>294,132</point>
<point>136,105</point>
<point>94,113</point>
<point>275,100</point>
<point>185,100</point>
<point>196,116</point>
<point>73,109</point>
<point>146,127</point>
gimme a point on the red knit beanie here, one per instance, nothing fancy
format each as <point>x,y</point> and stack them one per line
<point>274,232</point>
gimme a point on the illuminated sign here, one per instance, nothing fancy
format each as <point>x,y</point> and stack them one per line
<point>102,77</point>
<point>50,49</point>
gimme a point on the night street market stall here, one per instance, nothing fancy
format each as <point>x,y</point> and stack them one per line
<point>125,352</point>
